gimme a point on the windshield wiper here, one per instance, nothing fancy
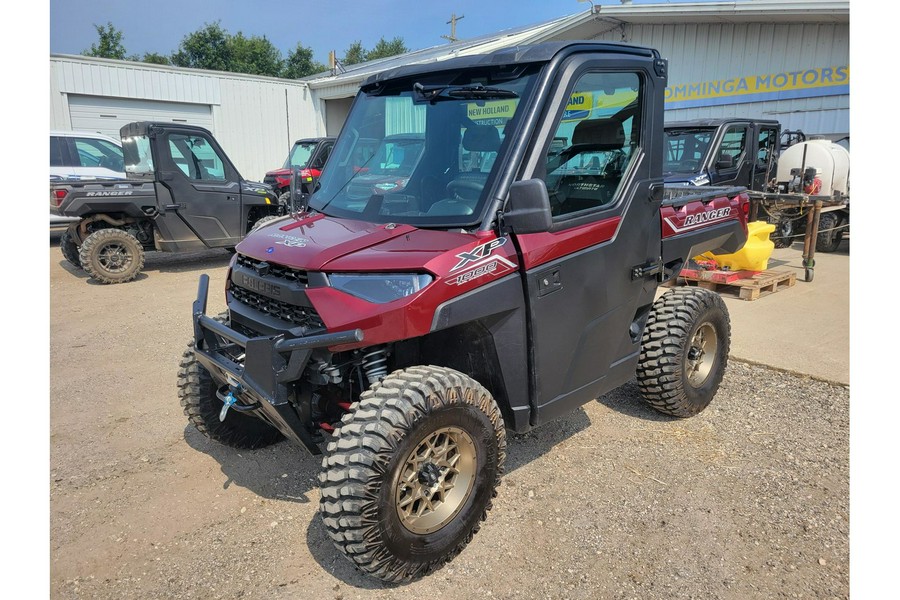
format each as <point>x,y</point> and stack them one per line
<point>433,93</point>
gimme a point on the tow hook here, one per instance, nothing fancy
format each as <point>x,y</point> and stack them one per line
<point>230,401</point>
<point>228,394</point>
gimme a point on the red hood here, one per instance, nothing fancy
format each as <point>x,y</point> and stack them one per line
<point>312,242</point>
<point>279,173</point>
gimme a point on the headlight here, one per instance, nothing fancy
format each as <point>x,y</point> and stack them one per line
<point>379,287</point>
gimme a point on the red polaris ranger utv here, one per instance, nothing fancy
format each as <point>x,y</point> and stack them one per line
<point>510,280</point>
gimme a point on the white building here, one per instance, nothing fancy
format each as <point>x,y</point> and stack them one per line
<point>787,60</point>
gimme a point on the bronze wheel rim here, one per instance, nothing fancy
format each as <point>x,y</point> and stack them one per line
<point>701,354</point>
<point>436,479</point>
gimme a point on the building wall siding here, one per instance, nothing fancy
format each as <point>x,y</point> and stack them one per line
<point>719,51</point>
<point>256,120</point>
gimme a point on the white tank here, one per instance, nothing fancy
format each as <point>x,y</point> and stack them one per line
<point>832,164</point>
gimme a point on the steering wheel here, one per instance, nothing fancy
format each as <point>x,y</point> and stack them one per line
<point>464,189</point>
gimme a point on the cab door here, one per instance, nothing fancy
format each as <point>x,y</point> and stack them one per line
<point>204,187</point>
<point>731,163</point>
<point>587,304</point>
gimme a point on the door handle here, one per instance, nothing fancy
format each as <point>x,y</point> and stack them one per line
<point>549,281</point>
<point>175,207</point>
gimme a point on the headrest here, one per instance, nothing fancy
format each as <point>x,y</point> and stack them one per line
<point>481,138</point>
<point>601,134</point>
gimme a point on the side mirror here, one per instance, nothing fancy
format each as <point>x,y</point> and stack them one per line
<point>528,207</point>
<point>726,161</point>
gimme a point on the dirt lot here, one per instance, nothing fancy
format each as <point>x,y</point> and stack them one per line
<point>747,500</point>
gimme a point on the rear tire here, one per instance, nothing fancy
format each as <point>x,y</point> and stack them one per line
<point>197,394</point>
<point>412,472</point>
<point>829,238</point>
<point>112,256</point>
<point>69,249</point>
<point>784,229</point>
<point>684,351</point>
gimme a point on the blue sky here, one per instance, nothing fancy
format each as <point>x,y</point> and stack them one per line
<point>160,25</point>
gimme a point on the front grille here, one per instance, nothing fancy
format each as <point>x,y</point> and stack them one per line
<point>269,180</point>
<point>279,271</point>
<point>298,315</point>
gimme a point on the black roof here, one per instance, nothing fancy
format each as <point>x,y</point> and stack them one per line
<point>507,56</point>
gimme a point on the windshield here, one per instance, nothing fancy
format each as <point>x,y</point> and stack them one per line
<point>685,149</point>
<point>299,155</point>
<point>422,150</point>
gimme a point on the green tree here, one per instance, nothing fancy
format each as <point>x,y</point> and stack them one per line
<point>300,63</point>
<point>206,48</point>
<point>110,43</point>
<point>385,48</point>
<point>254,55</point>
<point>355,54</point>
<point>155,58</point>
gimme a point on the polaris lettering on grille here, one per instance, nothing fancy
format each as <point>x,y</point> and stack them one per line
<point>259,286</point>
<point>109,193</point>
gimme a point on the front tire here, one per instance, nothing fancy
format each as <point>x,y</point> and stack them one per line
<point>112,256</point>
<point>262,221</point>
<point>412,472</point>
<point>197,394</point>
<point>69,249</point>
<point>684,351</point>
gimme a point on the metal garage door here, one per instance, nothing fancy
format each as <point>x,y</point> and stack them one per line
<point>107,115</point>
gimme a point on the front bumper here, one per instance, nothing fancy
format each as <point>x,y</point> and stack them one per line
<point>259,381</point>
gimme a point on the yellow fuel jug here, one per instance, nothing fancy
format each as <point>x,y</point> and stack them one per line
<point>754,256</point>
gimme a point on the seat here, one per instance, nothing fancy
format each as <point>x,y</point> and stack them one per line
<point>579,191</point>
<point>467,185</point>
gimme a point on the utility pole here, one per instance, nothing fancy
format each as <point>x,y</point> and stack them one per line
<point>452,23</point>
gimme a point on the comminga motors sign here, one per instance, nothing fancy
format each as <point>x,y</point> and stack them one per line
<point>808,83</point>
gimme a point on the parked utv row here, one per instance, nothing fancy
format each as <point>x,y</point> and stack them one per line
<point>758,155</point>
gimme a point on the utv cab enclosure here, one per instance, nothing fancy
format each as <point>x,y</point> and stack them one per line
<point>181,193</point>
<point>739,152</point>
<point>309,156</point>
<point>510,279</point>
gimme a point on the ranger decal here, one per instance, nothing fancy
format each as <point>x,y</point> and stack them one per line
<point>697,219</point>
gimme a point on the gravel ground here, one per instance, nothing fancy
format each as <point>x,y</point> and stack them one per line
<point>747,500</point>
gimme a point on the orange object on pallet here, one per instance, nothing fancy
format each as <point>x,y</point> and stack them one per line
<point>716,276</point>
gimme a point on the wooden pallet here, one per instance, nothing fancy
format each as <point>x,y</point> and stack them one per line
<point>746,286</point>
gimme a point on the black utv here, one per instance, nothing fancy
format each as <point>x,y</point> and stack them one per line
<point>181,193</point>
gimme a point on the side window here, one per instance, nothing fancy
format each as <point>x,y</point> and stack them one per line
<point>98,153</point>
<point>766,146</point>
<point>323,156</point>
<point>734,144</point>
<point>56,156</point>
<point>196,157</point>
<point>594,143</point>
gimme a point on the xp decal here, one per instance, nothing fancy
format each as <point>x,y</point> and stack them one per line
<point>479,262</point>
<point>478,254</point>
